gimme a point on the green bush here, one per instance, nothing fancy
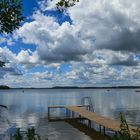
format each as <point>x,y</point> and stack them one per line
<point>124,133</point>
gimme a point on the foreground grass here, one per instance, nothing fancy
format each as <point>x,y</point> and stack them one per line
<point>29,135</point>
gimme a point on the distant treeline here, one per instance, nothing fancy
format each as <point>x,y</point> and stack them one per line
<point>4,87</point>
<point>73,87</point>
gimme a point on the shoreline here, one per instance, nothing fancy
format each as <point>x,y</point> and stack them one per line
<point>70,87</point>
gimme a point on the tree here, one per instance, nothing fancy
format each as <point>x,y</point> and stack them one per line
<point>10,15</point>
<point>64,4</point>
<point>2,64</point>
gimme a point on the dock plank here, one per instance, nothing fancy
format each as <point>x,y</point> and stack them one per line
<point>103,121</point>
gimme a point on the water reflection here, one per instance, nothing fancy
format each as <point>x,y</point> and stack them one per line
<point>30,108</point>
<point>132,115</point>
<point>4,121</point>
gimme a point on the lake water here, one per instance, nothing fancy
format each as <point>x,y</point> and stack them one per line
<point>29,108</point>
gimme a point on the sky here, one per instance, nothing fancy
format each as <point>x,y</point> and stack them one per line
<point>94,43</point>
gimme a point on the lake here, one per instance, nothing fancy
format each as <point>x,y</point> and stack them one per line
<point>29,108</point>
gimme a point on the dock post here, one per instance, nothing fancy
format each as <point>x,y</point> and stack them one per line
<point>67,113</point>
<point>104,130</point>
<point>72,114</point>
<point>100,128</point>
<point>80,118</point>
<point>116,133</point>
<point>48,113</point>
<point>88,107</point>
<point>89,123</point>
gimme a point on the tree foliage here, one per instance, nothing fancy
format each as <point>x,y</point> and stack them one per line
<point>2,64</point>
<point>11,15</point>
<point>64,4</point>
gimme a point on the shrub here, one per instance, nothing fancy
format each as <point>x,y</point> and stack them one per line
<point>124,133</point>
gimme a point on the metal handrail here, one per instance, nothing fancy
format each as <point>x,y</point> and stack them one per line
<point>90,103</point>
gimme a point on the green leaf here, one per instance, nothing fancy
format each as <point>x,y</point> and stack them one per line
<point>62,5</point>
<point>10,15</point>
<point>2,64</point>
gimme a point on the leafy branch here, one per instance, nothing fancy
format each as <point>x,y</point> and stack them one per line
<point>10,15</point>
<point>2,64</point>
<point>64,4</point>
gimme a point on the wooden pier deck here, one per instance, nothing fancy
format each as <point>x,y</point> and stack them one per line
<point>83,112</point>
<point>102,121</point>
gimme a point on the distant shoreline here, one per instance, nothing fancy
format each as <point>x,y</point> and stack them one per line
<point>72,87</point>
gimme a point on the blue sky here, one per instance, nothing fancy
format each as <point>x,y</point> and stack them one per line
<point>29,7</point>
<point>84,46</point>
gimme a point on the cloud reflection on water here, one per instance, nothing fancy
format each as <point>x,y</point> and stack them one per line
<point>30,108</point>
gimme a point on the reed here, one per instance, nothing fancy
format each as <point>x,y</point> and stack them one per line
<point>29,135</point>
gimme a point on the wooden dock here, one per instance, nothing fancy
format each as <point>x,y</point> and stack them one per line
<point>103,122</point>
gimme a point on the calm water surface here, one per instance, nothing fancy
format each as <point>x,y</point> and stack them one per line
<point>30,109</point>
